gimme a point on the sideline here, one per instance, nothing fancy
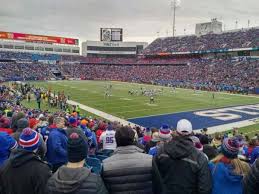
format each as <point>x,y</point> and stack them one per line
<point>101,113</point>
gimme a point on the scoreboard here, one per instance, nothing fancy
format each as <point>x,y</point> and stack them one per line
<point>111,34</point>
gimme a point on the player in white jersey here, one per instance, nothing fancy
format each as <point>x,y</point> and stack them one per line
<point>107,139</point>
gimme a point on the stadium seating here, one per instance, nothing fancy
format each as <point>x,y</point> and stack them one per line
<point>246,38</point>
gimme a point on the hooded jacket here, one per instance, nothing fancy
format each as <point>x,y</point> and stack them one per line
<point>75,181</point>
<point>182,168</point>
<point>224,180</point>
<point>24,172</point>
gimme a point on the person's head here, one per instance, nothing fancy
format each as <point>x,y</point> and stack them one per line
<point>204,139</point>
<point>196,142</point>
<point>84,122</point>
<point>229,155</point>
<point>59,122</point>
<point>165,133</point>
<point>29,140</point>
<point>124,136</point>
<point>147,132</point>
<point>77,149</point>
<point>155,137</point>
<point>22,124</point>
<point>184,127</point>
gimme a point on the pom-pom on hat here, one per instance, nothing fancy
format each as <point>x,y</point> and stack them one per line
<point>29,139</point>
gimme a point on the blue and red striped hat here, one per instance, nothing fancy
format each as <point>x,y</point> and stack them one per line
<point>29,139</point>
<point>230,147</point>
<point>165,132</point>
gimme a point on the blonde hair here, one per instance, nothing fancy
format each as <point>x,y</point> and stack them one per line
<point>240,167</point>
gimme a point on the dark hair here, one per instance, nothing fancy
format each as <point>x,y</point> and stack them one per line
<point>124,136</point>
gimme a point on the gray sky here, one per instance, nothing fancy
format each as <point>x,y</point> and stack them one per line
<point>140,19</point>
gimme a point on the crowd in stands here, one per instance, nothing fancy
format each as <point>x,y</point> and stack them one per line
<point>246,38</point>
<point>65,152</point>
<point>11,71</point>
<point>224,74</point>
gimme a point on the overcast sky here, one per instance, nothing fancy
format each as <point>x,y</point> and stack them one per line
<point>140,19</point>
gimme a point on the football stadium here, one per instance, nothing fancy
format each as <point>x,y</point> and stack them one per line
<point>121,110</point>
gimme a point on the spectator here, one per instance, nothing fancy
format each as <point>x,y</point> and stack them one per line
<point>74,177</point>
<point>25,172</point>
<point>227,170</point>
<point>164,135</point>
<point>7,144</point>
<point>107,139</point>
<point>57,145</point>
<point>73,128</point>
<point>21,124</point>
<point>251,182</point>
<point>154,141</point>
<point>255,152</point>
<point>136,176</point>
<point>5,125</point>
<point>183,169</point>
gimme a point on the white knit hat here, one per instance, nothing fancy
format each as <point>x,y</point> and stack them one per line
<point>184,127</point>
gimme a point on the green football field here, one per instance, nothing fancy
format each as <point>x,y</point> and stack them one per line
<point>124,105</point>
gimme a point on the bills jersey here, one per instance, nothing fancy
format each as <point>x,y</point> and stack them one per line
<point>108,140</point>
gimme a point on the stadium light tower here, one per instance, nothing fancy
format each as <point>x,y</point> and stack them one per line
<point>174,4</point>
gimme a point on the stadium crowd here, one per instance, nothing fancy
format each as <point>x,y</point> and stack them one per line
<point>223,74</point>
<point>67,152</point>
<point>246,38</point>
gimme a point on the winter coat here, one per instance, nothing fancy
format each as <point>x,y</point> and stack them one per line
<point>7,143</point>
<point>182,168</point>
<point>75,181</point>
<point>224,179</point>
<point>251,182</point>
<point>57,147</point>
<point>254,154</point>
<point>24,172</point>
<point>127,171</point>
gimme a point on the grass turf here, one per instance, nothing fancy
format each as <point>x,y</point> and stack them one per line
<point>123,105</point>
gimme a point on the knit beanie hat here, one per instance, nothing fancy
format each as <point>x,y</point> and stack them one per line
<point>84,122</point>
<point>72,121</point>
<point>148,132</point>
<point>22,123</point>
<point>196,142</point>
<point>77,148</point>
<point>29,139</point>
<point>165,132</point>
<point>230,147</point>
<point>184,127</point>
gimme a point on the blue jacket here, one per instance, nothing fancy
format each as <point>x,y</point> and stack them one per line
<point>7,143</point>
<point>57,147</point>
<point>254,154</point>
<point>224,181</point>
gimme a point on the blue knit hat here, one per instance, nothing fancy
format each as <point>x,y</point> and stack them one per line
<point>230,147</point>
<point>29,139</point>
<point>165,132</point>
